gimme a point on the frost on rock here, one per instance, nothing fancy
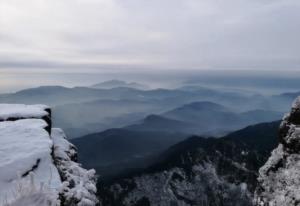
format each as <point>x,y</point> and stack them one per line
<point>36,168</point>
<point>279,178</point>
<point>177,187</point>
<point>79,184</point>
<point>27,193</point>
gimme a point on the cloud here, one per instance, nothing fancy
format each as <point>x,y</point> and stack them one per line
<point>186,34</point>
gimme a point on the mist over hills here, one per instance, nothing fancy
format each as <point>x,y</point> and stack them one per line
<point>83,110</point>
<point>204,118</point>
<point>269,82</point>
<point>98,115</point>
<point>58,95</point>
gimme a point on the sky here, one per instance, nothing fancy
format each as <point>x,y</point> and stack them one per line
<point>107,35</point>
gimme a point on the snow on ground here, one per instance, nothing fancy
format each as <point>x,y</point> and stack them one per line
<point>22,111</point>
<point>38,198</point>
<point>25,146</point>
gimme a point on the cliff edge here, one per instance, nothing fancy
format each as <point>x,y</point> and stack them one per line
<point>279,178</point>
<point>38,166</point>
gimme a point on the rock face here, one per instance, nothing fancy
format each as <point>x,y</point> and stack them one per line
<point>79,184</point>
<point>279,178</point>
<point>37,164</point>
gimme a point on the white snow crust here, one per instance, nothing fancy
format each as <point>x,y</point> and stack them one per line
<point>22,111</point>
<point>25,146</point>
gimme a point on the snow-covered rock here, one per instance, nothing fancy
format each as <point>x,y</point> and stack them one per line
<point>79,184</point>
<point>37,167</point>
<point>279,178</point>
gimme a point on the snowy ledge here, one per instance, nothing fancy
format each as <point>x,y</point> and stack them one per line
<point>37,168</point>
<point>21,111</point>
<point>13,112</point>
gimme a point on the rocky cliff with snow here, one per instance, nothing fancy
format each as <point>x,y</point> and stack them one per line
<point>279,178</point>
<point>38,166</point>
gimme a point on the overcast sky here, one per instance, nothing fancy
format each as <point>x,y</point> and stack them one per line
<point>65,35</point>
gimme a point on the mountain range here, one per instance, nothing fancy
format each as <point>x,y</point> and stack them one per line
<point>120,149</point>
<point>116,151</point>
<point>101,109</point>
<point>198,171</point>
<point>205,118</point>
<point>187,146</point>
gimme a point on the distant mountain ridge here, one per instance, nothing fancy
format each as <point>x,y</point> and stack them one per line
<point>118,83</point>
<point>101,109</point>
<point>203,118</point>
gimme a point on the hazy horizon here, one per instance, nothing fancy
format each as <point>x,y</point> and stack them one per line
<point>163,44</point>
<point>265,81</point>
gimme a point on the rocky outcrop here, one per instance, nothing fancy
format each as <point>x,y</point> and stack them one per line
<point>79,184</point>
<point>279,178</point>
<point>38,165</point>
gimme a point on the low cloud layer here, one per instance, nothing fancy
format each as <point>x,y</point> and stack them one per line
<point>135,34</point>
